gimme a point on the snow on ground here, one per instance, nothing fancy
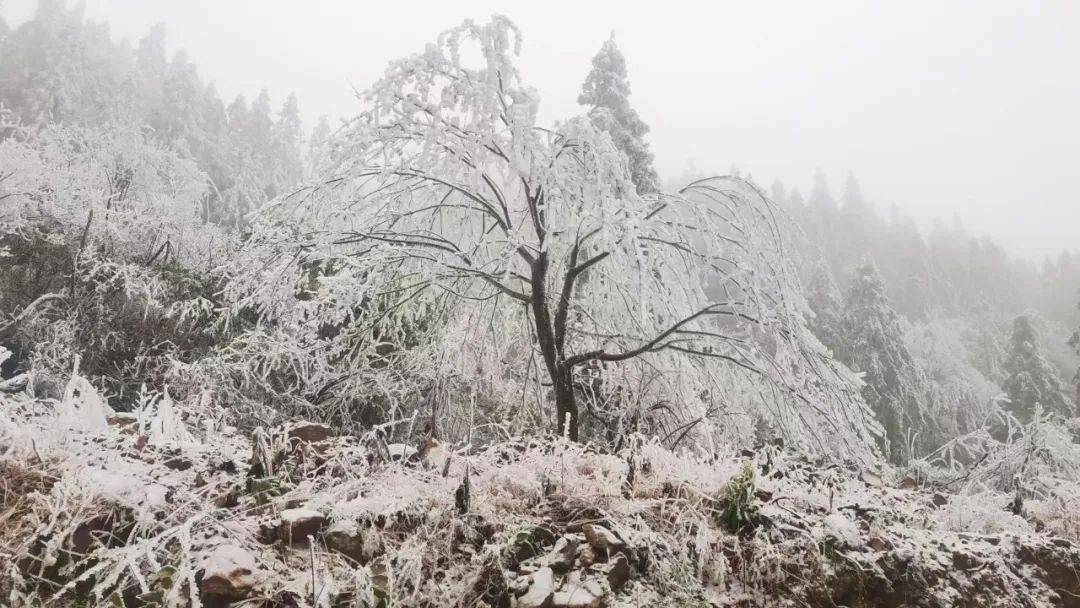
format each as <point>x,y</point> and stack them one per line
<point>157,508</point>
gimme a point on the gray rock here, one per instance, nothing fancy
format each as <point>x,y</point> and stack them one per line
<point>361,543</point>
<point>561,557</point>
<point>616,571</point>
<point>602,539</point>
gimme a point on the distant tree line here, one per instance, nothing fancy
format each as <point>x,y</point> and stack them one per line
<point>941,325</point>
<point>59,68</point>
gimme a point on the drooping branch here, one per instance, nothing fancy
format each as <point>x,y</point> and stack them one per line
<point>49,297</point>
<point>600,355</point>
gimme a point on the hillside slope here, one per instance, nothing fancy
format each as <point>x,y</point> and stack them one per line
<point>166,507</point>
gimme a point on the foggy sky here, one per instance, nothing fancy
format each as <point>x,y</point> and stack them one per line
<point>966,109</point>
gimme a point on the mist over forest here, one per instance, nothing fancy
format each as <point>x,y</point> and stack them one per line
<point>443,352</point>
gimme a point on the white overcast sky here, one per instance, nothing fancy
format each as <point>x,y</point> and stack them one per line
<point>966,109</point>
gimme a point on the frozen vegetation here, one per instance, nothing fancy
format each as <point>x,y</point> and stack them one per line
<point>444,355</point>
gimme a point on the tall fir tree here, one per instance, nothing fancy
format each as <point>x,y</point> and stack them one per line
<point>872,342</point>
<point>177,118</point>
<point>1030,379</point>
<point>854,201</point>
<point>778,193</point>
<point>826,301</point>
<point>1074,342</point>
<point>795,202</point>
<point>606,92</point>
<point>318,144</point>
<point>821,198</point>
<point>288,140</point>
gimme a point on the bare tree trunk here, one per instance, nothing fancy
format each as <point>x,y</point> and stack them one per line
<point>560,373</point>
<point>566,404</point>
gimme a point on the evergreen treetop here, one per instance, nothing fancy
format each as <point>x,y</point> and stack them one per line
<point>606,91</point>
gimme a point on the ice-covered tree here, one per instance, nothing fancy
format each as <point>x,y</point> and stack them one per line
<point>1074,341</point>
<point>456,237</point>
<point>853,196</point>
<point>288,143</point>
<point>606,93</point>
<point>826,301</point>
<point>317,145</point>
<point>55,67</point>
<point>778,193</point>
<point>821,198</point>
<point>1030,378</point>
<point>872,342</point>
<point>960,398</point>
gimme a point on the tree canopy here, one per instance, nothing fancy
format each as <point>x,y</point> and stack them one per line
<point>524,262</point>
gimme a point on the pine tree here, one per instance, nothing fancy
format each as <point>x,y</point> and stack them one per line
<point>777,193</point>
<point>1030,378</point>
<point>606,92</point>
<point>854,221</point>
<point>796,200</point>
<point>213,156</point>
<point>242,191</point>
<point>318,143</point>
<point>826,301</point>
<point>872,342</point>
<point>820,197</point>
<point>42,67</point>
<point>854,202</point>
<point>177,119</point>
<point>288,136</point>
<point>1074,341</point>
<point>151,67</point>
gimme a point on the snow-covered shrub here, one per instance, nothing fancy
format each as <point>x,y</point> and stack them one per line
<point>106,256</point>
<point>147,202</point>
<point>1036,465</point>
<point>959,398</point>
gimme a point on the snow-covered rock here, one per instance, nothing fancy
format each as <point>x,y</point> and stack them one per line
<point>541,586</point>
<point>361,543</point>
<point>298,524</point>
<point>82,409</point>
<point>310,432</point>
<point>602,539</point>
<point>586,594</point>
<point>229,573</point>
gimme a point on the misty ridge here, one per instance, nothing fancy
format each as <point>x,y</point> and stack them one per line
<point>445,352</point>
